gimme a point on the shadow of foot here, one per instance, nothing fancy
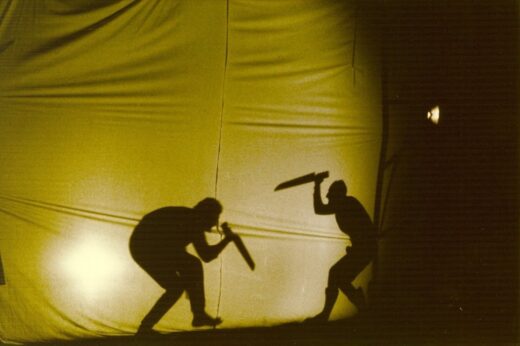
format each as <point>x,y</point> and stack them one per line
<point>320,318</point>
<point>147,333</point>
<point>205,320</point>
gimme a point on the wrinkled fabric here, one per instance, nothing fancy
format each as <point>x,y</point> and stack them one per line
<point>111,109</point>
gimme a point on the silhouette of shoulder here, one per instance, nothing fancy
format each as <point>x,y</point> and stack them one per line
<point>355,206</point>
<point>166,214</point>
<point>167,227</point>
<point>353,219</point>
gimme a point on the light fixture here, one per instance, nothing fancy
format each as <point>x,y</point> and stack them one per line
<point>434,115</point>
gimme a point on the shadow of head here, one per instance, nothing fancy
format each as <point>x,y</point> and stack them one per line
<point>208,210</point>
<point>337,190</point>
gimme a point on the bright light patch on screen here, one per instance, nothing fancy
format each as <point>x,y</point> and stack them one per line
<point>434,115</point>
<point>91,267</point>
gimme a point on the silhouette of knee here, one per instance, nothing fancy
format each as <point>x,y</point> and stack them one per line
<point>192,268</point>
<point>331,290</point>
<point>168,298</point>
<point>195,267</point>
<point>348,289</point>
<point>191,272</point>
<point>173,289</point>
<point>334,277</point>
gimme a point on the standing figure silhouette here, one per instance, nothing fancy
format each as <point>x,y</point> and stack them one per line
<point>354,221</point>
<point>158,245</point>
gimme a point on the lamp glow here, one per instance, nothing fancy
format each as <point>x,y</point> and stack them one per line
<point>91,268</point>
<point>434,115</point>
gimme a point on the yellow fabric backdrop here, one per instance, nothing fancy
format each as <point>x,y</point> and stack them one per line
<point>110,109</point>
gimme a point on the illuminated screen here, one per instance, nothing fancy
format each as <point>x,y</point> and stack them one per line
<point>110,110</point>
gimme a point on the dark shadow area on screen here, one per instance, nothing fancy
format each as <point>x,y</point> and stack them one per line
<point>353,220</point>
<point>158,245</point>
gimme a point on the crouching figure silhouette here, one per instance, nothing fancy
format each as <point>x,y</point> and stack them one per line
<point>158,244</point>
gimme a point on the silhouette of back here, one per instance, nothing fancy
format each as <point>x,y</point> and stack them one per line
<point>353,220</point>
<point>164,232</point>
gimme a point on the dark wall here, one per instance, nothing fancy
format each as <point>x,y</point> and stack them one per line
<point>449,246</point>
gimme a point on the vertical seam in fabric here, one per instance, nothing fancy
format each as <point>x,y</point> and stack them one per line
<point>220,139</point>
<point>354,41</point>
